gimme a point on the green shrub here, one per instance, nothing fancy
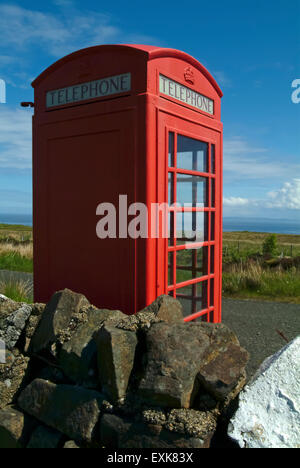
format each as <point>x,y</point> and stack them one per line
<point>270,246</point>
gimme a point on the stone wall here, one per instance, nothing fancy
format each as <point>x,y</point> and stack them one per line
<point>77,376</point>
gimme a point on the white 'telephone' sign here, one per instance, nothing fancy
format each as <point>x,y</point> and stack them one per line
<point>185,95</point>
<point>92,90</point>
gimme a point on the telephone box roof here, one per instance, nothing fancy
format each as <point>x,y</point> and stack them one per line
<point>149,52</point>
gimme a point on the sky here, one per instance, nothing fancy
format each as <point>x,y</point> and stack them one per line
<point>252,48</point>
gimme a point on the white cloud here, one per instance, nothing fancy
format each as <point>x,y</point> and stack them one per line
<point>222,79</point>
<point>238,145</point>
<point>6,60</point>
<point>235,201</point>
<point>243,160</point>
<point>15,138</point>
<point>59,34</point>
<point>287,197</point>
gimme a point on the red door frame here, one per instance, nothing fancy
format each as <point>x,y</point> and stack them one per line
<point>168,122</point>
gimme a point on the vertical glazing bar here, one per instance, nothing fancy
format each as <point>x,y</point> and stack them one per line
<point>175,213</point>
<point>209,227</point>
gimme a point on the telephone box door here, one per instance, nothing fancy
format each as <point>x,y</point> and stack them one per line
<point>190,181</point>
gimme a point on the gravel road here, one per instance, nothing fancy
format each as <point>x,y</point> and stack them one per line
<point>257,324</point>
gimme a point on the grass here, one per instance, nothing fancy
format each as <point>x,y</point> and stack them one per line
<point>16,254</point>
<point>15,228</point>
<point>16,257</point>
<point>16,250</point>
<point>15,262</point>
<point>19,291</point>
<point>250,280</point>
<point>243,244</point>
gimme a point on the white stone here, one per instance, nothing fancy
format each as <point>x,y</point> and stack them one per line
<point>268,415</point>
<point>3,298</point>
<point>2,352</point>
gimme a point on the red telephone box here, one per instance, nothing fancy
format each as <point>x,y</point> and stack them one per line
<point>142,122</point>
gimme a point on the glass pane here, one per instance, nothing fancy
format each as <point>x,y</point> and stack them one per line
<point>171,228</point>
<point>192,154</point>
<point>212,259</point>
<point>171,149</point>
<point>191,226</point>
<point>193,298</point>
<point>191,263</point>
<point>184,265</point>
<point>202,260</point>
<point>170,268</point>
<point>187,296</point>
<point>213,159</point>
<point>212,226</point>
<point>171,188</point>
<point>213,193</point>
<point>212,291</point>
<point>192,191</point>
<point>204,294</point>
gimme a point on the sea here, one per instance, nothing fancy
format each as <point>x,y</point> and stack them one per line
<point>23,219</point>
<point>278,226</point>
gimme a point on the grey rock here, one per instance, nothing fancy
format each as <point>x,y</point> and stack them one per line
<point>71,410</point>
<point>32,324</point>
<point>12,324</point>
<point>78,356</point>
<point>224,372</point>
<point>61,318</point>
<point>12,375</point>
<point>45,437</point>
<point>116,353</point>
<point>53,374</point>
<point>175,354</point>
<point>196,424</point>
<point>15,428</point>
<point>166,309</point>
<point>163,309</point>
<point>71,445</point>
<point>116,432</point>
<point>7,306</point>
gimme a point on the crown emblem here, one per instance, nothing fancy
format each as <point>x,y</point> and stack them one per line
<point>189,75</point>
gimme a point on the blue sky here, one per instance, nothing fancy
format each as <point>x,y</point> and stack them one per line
<point>251,47</point>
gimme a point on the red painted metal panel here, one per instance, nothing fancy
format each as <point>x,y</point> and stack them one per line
<point>92,151</point>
